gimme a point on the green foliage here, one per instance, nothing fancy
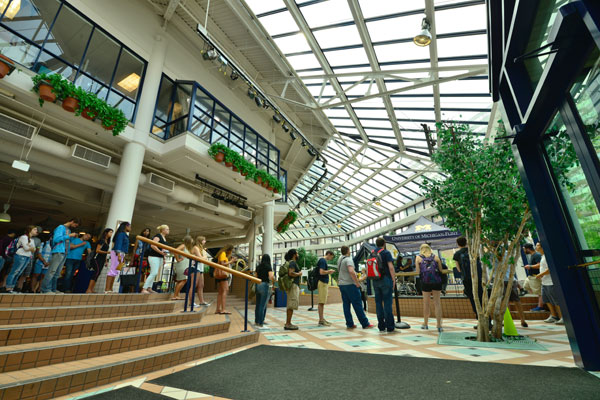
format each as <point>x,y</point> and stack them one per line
<point>109,116</point>
<point>288,221</point>
<point>306,259</point>
<point>216,148</point>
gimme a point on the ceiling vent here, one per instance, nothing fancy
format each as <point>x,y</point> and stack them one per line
<point>16,128</point>
<point>160,183</point>
<point>245,214</point>
<point>210,202</point>
<point>88,156</point>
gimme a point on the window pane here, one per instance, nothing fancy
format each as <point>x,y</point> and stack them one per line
<point>101,57</point>
<point>33,19</point>
<point>69,36</point>
<point>15,48</point>
<point>128,75</point>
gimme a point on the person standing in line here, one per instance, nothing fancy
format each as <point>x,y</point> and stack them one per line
<point>182,265</point>
<point>221,277</point>
<point>61,238</point>
<point>264,272</point>
<point>41,262</point>
<point>384,288</point>
<point>548,291</point>
<point>350,290</point>
<point>117,254</point>
<point>293,295</point>
<point>23,256</point>
<point>463,265</point>
<point>140,254</point>
<point>323,285</point>
<point>77,248</point>
<point>532,269</point>
<point>4,242</point>
<point>429,267</point>
<point>99,257</point>
<point>156,257</point>
<point>199,251</point>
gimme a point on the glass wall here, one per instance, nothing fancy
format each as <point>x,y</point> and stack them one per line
<point>51,36</point>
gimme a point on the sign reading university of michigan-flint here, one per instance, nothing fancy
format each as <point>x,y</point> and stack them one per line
<point>424,236</point>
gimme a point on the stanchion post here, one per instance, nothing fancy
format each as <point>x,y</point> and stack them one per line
<point>193,283</point>
<point>399,323</point>
<point>246,310</point>
<point>312,304</point>
<point>185,304</point>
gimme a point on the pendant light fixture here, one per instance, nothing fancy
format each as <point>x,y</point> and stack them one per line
<point>424,38</point>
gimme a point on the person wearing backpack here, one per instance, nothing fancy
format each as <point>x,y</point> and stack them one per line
<point>323,284</point>
<point>22,258</point>
<point>429,267</point>
<point>463,264</point>
<point>349,285</point>
<point>383,285</point>
<point>293,290</point>
<point>61,238</point>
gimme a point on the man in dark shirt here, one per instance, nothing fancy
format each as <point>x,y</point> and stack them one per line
<point>293,295</point>
<point>323,285</point>
<point>463,264</point>
<point>532,269</point>
<point>384,288</point>
<point>4,242</point>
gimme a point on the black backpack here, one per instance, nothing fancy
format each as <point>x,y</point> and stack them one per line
<point>313,279</point>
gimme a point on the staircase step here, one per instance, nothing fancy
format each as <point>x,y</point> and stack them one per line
<point>25,356</point>
<point>48,300</point>
<point>49,331</point>
<point>530,315</point>
<point>26,315</point>
<point>50,382</point>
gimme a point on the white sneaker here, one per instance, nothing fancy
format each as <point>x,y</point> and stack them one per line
<point>551,320</point>
<point>560,322</point>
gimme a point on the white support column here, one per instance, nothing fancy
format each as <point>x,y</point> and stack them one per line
<point>252,246</point>
<point>124,195</point>
<point>269,215</point>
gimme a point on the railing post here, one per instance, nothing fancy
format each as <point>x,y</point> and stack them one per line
<point>193,288</point>
<point>246,310</point>
<point>185,304</point>
<point>399,324</point>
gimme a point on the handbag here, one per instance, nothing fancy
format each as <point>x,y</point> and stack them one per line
<point>220,274</point>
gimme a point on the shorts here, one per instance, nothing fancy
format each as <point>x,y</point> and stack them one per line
<point>514,293</point>
<point>533,285</point>
<point>428,287</point>
<point>114,263</point>
<point>293,297</point>
<point>549,294</point>
<point>323,288</point>
<point>39,268</point>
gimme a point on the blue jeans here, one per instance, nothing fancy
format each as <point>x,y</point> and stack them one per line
<point>54,269</point>
<point>351,295</point>
<point>70,266</point>
<point>2,261</point>
<point>383,303</point>
<point>19,265</point>
<point>262,296</point>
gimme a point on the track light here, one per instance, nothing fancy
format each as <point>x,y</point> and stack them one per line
<point>259,101</point>
<point>210,55</point>
<point>286,127</point>
<point>234,75</point>
<point>293,135</point>
<point>304,144</point>
<point>312,152</point>
<point>424,38</point>
<point>5,216</point>
<point>277,118</point>
<point>222,64</point>
<point>251,93</point>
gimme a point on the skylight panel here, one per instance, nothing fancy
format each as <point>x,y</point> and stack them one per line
<point>303,61</point>
<point>376,123</point>
<point>416,115</point>
<point>466,102</point>
<point>465,116</point>
<point>336,37</point>
<point>263,6</point>
<point>316,90</point>
<point>412,101</point>
<point>461,19</point>
<point>395,28</point>
<point>401,52</point>
<point>371,113</point>
<point>337,113</point>
<point>317,71</point>
<point>372,8</point>
<point>279,23</point>
<point>347,57</point>
<point>327,13</point>
<point>292,44</point>
<point>465,86</point>
<point>462,46</point>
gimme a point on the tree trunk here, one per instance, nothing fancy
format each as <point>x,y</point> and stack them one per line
<point>483,332</point>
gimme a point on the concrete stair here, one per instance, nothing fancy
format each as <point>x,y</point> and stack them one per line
<point>529,302</point>
<point>63,344</point>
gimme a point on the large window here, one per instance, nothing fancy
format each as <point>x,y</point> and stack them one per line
<point>51,36</point>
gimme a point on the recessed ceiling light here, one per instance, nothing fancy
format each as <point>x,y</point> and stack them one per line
<point>131,82</point>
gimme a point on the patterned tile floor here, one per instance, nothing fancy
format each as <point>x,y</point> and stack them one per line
<point>412,342</point>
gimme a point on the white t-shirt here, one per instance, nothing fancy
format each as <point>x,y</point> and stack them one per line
<point>344,277</point>
<point>546,279</point>
<point>25,246</point>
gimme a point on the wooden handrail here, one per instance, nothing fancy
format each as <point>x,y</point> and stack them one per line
<point>415,273</point>
<point>200,260</point>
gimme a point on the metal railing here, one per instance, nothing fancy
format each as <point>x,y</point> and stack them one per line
<point>193,267</point>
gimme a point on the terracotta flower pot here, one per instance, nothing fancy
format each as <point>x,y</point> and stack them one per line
<point>228,164</point>
<point>235,169</point>
<point>244,174</point>
<point>220,157</point>
<point>265,184</point>
<point>88,114</point>
<point>107,127</point>
<point>6,66</point>
<point>70,104</point>
<point>45,92</point>
<point>269,188</point>
<point>258,181</point>
<point>275,191</point>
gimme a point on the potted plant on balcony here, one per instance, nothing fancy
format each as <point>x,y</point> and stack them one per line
<point>112,119</point>
<point>48,87</point>
<point>289,220</point>
<point>71,95</point>
<point>7,66</point>
<point>218,151</point>
<point>260,177</point>
<point>89,104</point>
<point>247,169</point>
<point>231,157</point>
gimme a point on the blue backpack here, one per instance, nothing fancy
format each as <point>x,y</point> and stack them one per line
<point>11,249</point>
<point>428,270</point>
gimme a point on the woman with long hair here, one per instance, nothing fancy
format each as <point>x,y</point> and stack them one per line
<point>429,268</point>
<point>117,255</point>
<point>140,254</point>
<point>264,272</point>
<point>199,251</point>
<point>98,259</point>
<point>156,257</point>
<point>25,249</point>
<point>182,264</point>
<point>224,258</point>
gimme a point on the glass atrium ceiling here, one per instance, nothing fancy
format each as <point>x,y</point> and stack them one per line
<point>358,60</point>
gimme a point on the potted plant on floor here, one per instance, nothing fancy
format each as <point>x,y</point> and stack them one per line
<point>7,66</point>
<point>218,151</point>
<point>48,87</point>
